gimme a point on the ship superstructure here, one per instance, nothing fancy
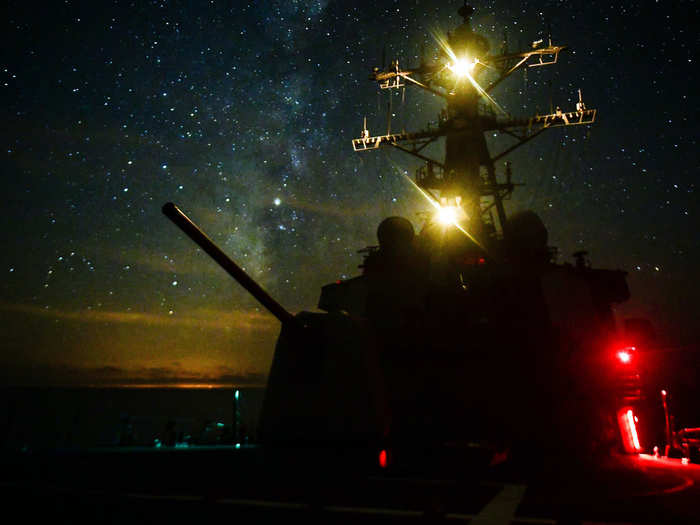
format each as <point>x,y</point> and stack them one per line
<point>465,183</point>
<point>468,332</point>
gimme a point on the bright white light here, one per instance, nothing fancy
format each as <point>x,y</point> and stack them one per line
<point>447,215</point>
<point>277,201</point>
<point>464,70</point>
<point>462,67</point>
<point>623,356</point>
<point>431,199</point>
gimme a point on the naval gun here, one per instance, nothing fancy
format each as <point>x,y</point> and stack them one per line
<point>417,354</point>
<point>467,334</point>
<point>324,385</point>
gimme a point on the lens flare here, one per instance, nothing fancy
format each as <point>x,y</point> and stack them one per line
<point>462,67</point>
<point>446,215</point>
<point>437,206</point>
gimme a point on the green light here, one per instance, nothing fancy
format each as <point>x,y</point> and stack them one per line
<point>220,425</point>
<point>238,445</point>
<point>236,394</point>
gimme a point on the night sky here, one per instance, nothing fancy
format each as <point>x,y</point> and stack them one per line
<point>242,114</point>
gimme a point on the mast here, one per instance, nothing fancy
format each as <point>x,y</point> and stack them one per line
<point>466,180</point>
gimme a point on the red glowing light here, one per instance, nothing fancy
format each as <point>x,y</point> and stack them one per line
<point>628,427</point>
<point>625,354</point>
<point>383,459</point>
<point>633,430</point>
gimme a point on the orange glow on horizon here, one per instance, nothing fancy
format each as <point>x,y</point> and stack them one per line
<point>185,386</point>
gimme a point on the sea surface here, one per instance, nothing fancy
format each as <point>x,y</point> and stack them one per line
<point>65,418</point>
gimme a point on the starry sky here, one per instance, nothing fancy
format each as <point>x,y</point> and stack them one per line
<point>242,114</point>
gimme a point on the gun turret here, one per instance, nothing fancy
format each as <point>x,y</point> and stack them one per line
<point>182,221</point>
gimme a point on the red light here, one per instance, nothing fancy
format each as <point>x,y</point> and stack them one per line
<point>383,459</point>
<point>625,354</point>
<point>628,427</point>
<point>631,422</point>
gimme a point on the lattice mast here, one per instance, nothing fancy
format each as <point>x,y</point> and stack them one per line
<point>466,179</point>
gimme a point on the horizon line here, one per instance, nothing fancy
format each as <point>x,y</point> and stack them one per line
<point>145,386</point>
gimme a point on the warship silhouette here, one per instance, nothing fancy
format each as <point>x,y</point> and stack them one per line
<point>464,375</point>
<point>468,334</point>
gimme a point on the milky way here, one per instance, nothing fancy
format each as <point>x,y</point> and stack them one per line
<point>243,116</point>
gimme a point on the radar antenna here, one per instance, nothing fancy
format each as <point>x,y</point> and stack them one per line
<point>467,175</point>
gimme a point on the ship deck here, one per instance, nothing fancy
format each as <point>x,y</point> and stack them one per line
<point>250,485</point>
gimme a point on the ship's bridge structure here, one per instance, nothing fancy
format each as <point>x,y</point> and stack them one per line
<point>465,183</point>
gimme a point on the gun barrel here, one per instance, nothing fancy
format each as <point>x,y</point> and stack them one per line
<point>173,213</point>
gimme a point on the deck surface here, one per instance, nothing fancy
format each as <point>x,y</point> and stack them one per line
<point>216,483</point>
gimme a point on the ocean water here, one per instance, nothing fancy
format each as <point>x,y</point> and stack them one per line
<point>55,418</point>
